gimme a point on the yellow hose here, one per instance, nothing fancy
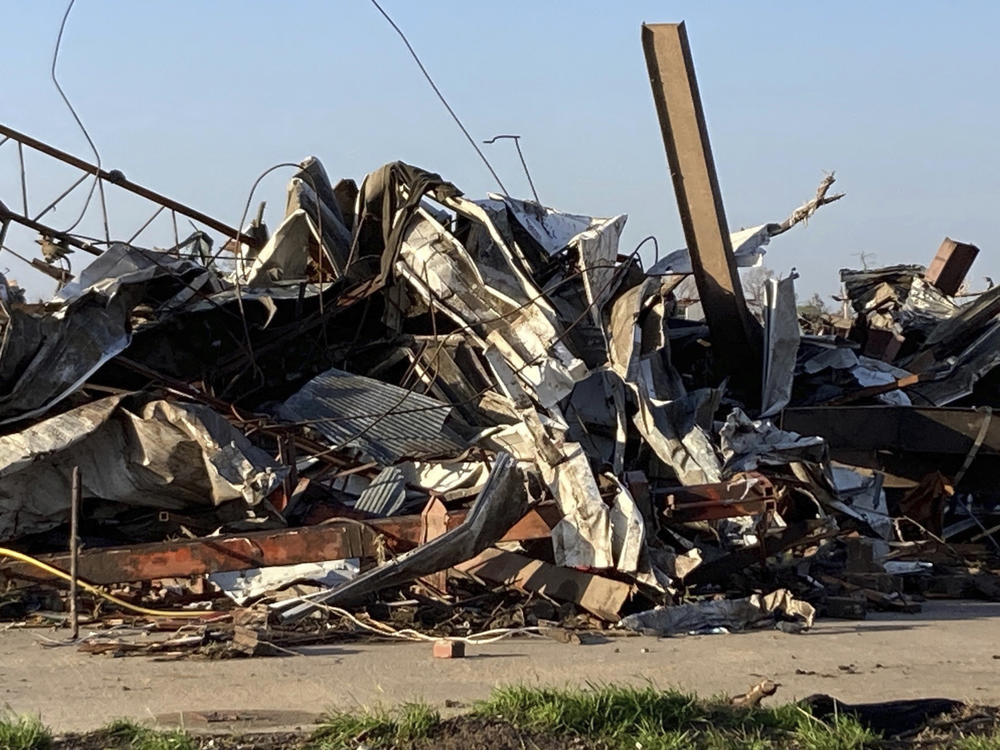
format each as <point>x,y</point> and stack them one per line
<point>96,591</point>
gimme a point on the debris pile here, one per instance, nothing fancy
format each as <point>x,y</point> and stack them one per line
<point>404,387</point>
<point>408,413</point>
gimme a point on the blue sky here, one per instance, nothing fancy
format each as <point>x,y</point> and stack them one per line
<point>195,99</point>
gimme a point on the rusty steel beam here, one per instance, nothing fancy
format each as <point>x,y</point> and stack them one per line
<point>736,336</point>
<point>334,540</point>
<point>743,495</point>
<point>117,178</point>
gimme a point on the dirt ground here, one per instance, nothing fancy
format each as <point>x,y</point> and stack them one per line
<point>951,649</point>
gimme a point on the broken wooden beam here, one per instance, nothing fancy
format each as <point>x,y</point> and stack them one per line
<point>736,336</point>
<point>598,595</point>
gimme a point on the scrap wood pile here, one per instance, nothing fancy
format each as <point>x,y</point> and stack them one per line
<point>406,413</point>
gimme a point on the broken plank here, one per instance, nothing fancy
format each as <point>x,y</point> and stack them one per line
<point>600,596</point>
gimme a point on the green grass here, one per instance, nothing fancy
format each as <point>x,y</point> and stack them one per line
<point>23,733</point>
<point>651,719</point>
<point>613,716</point>
<point>375,727</point>
<point>977,743</point>
<point>129,735</point>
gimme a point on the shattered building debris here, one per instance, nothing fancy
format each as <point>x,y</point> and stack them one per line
<point>408,413</point>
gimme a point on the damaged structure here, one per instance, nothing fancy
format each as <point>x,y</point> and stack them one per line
<point>404,403</point>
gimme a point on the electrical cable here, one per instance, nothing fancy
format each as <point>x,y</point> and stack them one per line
<point>408,634</point>
<point>59,88</point>
<point>35,562</point>
<point>440,96</point>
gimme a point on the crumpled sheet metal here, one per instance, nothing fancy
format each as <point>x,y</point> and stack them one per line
<point>522,329</point>
<point>965,370</point>
<point>671,430</point>
<point>748,444</point>
<point>628,532</point>
<point>499,505</point>
<point>158,455</point>
<point>781,345</point>
<point>730,614</point>
<point>595,240</point>
<point>582,538</point>
<point>121,265</point>
<point>44,358</point>
<point>286,253</point>
<point>48,355</point>
<point>860,495</point>
<point>748,249</point>
<point>242,586</point>
<point>384,422</point>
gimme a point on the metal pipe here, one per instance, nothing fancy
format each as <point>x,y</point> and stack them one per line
<point>47,231</point>
<point>149,221</point>
<point>74,551</point>
<point>62,195</point>
<point>24,179</point>
<point>117,178</point>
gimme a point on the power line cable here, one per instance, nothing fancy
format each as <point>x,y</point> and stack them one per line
<point>440,96</point>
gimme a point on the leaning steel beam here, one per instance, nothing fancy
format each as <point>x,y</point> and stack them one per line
<point>117,178</point>
<point>735,334</point>
<point>334,540</point>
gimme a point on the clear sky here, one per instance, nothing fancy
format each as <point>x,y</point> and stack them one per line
<point>195,99</point>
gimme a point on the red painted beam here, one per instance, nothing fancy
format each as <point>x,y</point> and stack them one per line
<point>329,541</point>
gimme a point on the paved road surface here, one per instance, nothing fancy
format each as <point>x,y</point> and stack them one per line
<point>951,649</point>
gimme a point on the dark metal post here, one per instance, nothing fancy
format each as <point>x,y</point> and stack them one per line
<point>74,550</point>
<point>735,334</point>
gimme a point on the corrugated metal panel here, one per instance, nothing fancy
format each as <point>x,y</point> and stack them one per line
<point>384,422</point>
<point>386,494</point>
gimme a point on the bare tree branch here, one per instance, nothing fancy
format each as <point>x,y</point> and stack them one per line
<point>807,209</point>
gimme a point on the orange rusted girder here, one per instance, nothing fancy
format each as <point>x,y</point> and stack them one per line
<point>334,540</point>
